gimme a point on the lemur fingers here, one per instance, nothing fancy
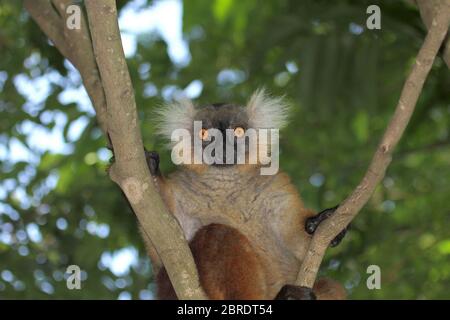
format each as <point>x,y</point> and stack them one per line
<point>152,158</point>
<point>313,222</point>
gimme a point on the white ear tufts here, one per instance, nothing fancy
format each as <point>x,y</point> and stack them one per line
<point>267,112</point>
<point>172,116</point>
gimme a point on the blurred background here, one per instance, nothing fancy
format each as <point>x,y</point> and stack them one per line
<point>58,206</point>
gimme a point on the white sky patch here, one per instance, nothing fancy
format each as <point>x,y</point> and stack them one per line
<point>355,28</point>
<point>100,230</point>
<point>150,90</point>
<point>33,232</point>
<point>42,139</point>
<point>9,211</point>
<point>20,194</point>
<point>164,17</point>
<point>5,238</point>
<point>124,295</point>
<point>104,154</point>
<point>62,224</point>
<point>129,44</point>
<point>34,90</point>
<point>18,152</point>
<point>47,287</point>
<point>76,128</point>
<point>78,96</point>
<point>119,262</point>
<point>291,67</point>
<point>7,275</point>
<point>146,295</point>
<point>75,93</point>
<point>194,89</point>
<point>231,76</point>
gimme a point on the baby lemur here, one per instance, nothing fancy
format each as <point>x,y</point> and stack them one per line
<point>248,232</point>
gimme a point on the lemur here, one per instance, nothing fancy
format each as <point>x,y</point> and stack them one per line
<point>248,232</point>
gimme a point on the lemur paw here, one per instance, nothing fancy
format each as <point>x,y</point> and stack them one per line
<point>339,237</point>
<point>291,292</point>
<point>152,158</point>
<point>313,222</point>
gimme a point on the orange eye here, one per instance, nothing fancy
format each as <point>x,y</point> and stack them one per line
<point>239,132</point>
<point>203,134</point>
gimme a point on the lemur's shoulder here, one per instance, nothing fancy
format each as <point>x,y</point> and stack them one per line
<point>282,184</point>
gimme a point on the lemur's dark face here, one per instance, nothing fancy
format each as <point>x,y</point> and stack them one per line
<point>261,112</point>
<point>222,116</point>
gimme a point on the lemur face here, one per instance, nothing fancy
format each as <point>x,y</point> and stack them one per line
<point>220,125</point>
<point>222,116</point>
<point>230,120</point>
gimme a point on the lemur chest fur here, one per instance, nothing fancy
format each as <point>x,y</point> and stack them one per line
<point>216,197</point>
<point>261,207</point>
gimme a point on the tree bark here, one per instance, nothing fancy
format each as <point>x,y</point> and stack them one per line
<point>412,88</point>
<point>428,10</point>
<point>75,45</point>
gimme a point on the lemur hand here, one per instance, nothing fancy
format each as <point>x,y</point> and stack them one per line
<point>313,222</point>
<point>152,158</point>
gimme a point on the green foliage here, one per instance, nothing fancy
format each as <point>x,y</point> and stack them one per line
<point>343,82</point>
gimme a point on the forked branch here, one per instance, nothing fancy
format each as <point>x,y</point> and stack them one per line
<point>104,72</point>
<point>382,158</point>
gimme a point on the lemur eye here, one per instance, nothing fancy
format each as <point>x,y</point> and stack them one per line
<point>239,132</point>
<point>203,134</point>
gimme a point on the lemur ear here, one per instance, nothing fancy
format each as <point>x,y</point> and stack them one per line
<point>267,112</point>
<point>172,116</point>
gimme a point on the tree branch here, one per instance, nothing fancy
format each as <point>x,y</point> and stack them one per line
<point>412,88</point>
<point>118,120</point>
<point>79,44</point>
<point>428,10</point>
<point>50,23</point>
<point>130,170</point>
<point>75,45</point>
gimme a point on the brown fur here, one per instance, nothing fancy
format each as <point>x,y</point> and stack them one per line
<point>329,289</point>
<point>229,269</point>
<point>246,231</point>
<point>227,265</point>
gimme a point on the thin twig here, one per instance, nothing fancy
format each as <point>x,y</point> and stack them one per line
<point>428,10</point>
